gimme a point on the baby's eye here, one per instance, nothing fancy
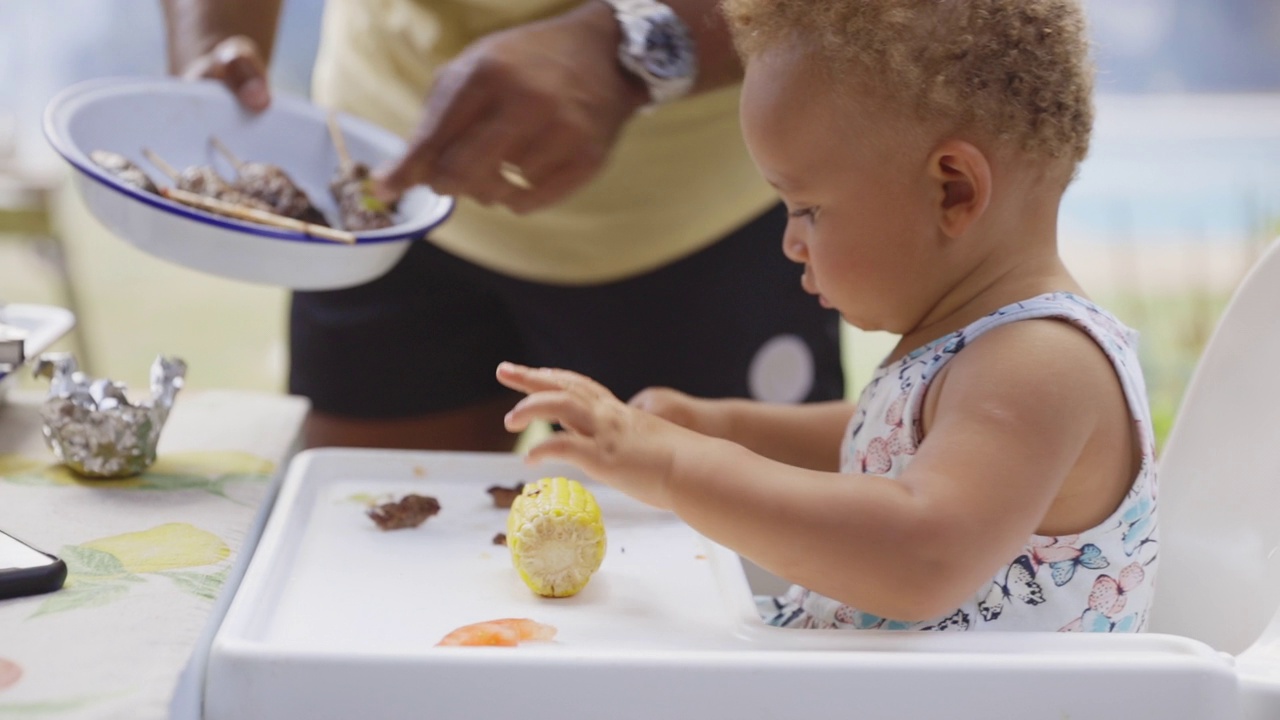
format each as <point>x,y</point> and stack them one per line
<point>808,212</point>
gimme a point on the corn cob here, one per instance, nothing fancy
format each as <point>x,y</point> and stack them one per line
<point>556,536</point>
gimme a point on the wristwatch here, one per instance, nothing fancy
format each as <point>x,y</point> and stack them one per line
<point>656,47</point>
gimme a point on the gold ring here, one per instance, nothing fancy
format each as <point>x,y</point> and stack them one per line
<point>514,175</point>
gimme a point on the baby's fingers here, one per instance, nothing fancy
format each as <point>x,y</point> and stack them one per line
<point>519,377</point>
<point>532,380</point>
<point>555,406</point>
<point>574,449</point>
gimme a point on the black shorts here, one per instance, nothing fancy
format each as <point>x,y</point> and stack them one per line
<point>730,320</point>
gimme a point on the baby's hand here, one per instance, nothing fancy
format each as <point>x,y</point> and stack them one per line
<point>613,442</point>
<point>698,414</point>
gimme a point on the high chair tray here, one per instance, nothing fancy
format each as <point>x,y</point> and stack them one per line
<point>335,618</point>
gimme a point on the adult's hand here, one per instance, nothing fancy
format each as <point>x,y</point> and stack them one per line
<point>548,98</point>
<point>239,64</point>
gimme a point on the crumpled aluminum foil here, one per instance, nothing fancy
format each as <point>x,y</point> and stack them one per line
<point>91,426</point>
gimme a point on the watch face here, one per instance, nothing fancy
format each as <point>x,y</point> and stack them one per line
<point>668,50</point>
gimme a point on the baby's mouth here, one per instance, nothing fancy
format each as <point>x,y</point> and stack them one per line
<point>807,282</point>
<point>811,286</point>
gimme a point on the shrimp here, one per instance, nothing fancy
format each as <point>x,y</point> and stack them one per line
<point>507,632</point>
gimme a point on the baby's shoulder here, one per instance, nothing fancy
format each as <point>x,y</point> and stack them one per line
<point>1049,343</point>
<point>1030,361</point>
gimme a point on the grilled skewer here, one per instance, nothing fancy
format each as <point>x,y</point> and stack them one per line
<point>263,217</point>
<point>352,188</point>
<point>204,180</point>
<point>360,209</point>
<point>123,170</point>
<point>272,185</point>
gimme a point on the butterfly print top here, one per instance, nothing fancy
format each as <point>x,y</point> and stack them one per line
<point>1100,580</point>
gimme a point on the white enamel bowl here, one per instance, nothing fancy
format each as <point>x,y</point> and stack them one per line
<point>176,120</point>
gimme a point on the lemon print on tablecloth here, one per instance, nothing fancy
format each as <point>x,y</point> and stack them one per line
<point>59,474</point>
<point>165,547</point>
<point>211,463</point>
<point>101,571</point>
<point>219,472</point>
<point>12,464</point>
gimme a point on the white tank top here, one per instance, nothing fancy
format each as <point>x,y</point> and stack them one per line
<point>1100,580</point>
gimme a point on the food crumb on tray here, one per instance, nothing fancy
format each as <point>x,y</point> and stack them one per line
<point>500,539</point>
<point>504,496</point>
<point>506,632</point>
<point>408,512</point>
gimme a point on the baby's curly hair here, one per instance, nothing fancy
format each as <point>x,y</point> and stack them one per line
<point>1019,70</point>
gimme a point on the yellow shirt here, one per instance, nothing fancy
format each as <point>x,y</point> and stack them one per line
<point>678,179</point>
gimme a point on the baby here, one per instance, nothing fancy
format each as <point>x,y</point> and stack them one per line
<point>997,473</point>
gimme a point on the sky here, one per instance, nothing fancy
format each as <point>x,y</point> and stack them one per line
<point>1144,46</point>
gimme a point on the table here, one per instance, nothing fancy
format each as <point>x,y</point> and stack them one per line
<point>148,557</point>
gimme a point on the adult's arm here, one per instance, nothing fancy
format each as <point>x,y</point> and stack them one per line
<point>549,97</point>
<point>718,62</point>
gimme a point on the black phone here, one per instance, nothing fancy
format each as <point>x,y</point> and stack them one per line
<point>25,570</point>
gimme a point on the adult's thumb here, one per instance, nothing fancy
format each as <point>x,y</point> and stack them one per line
<point>390,182</point>
<point>246,77</point>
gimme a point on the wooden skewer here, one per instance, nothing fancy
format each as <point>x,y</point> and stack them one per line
<point>226,152</point>
<point>339,142</point>
<point>159,162</point>
<point>222,207</point>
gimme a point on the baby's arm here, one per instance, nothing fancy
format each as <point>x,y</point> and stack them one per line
<point>807,435</point>
<point>1007,426</point>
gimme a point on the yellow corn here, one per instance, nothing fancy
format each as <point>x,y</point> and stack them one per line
<point>556,536</point>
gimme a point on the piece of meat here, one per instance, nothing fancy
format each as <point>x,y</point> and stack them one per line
<point>123,170</point>
<point>358,208</point>
<point>504,496</point>
<point>272,186</point>
<point>204,180</point>
<point>407,512</point>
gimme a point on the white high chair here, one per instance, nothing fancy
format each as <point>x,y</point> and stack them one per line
<point>1219,577</point>
<point>680,635</point>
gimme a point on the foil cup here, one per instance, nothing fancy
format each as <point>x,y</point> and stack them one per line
<point>91,426</point>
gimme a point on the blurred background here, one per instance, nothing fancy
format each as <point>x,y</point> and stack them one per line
<point>1178,197</point>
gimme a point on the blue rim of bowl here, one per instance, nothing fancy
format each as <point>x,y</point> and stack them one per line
<point>91,171</point>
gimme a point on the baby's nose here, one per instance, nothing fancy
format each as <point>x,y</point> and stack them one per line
<point>794,248</point>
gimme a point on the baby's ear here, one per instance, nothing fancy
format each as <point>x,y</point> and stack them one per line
<point>963,178</point>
